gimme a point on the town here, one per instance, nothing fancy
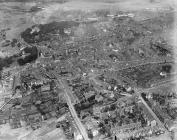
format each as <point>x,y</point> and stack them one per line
<point>100,78</point>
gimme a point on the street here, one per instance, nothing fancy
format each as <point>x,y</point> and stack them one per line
<point>153,114</point>
<point>72,110</point>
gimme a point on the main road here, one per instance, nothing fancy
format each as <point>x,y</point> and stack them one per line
<point>139,91</point>
<point>72,109</point>
<point>152,113</point>
<point>13,94</point>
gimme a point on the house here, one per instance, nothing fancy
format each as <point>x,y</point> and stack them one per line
<point>125,131</point>
<point>97,111</point>
<point>15,123</point>
<point>3,118</point>
<point>34,120</point>
<point>45,87</point>
<point>171,125</point>
<point>172,103</point>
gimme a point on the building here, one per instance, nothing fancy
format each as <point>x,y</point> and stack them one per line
<point>172,103</point>
<point>4,118</point>
<point>126,127</point>
<point>34,120</point>
<point>126,131</point>
<point>15,122</point>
